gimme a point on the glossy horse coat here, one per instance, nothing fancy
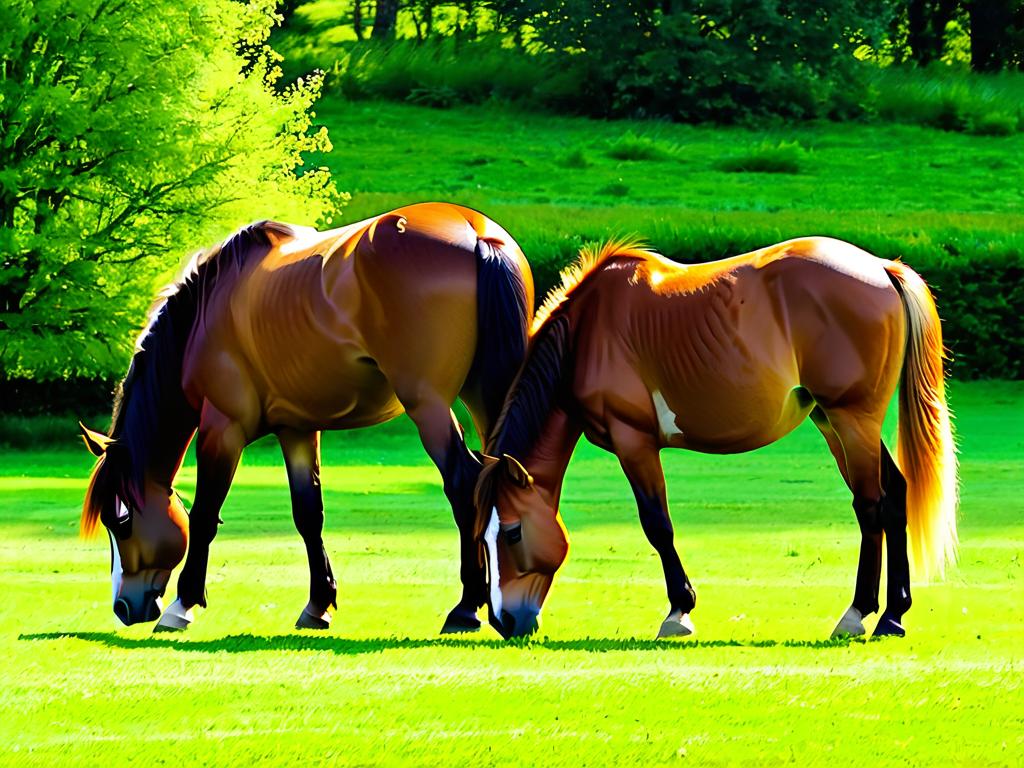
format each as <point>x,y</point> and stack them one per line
<point>640,354</point>
<point>289,331</point>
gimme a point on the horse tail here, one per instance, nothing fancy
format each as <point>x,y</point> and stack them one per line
<point>926,452</point>
<point>504,306</point>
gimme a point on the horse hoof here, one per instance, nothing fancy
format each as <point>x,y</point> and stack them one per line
<point>310,620</point>
<point>460,621</point>
<point>851,625</point>
<point>889,627</point>
<point>678,625</point>
<point>175,619</point>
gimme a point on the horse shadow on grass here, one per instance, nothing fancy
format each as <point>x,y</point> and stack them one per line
<point>248,643</point>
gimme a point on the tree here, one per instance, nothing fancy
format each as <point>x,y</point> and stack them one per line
<point>133,132</point>
<point>385,19</point>
<point>992,27</point>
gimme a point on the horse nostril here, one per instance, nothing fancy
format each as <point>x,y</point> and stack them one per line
<point>123,611</point>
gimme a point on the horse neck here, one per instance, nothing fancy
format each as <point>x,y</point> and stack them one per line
<point>159,445</point>
<point>550,455</point>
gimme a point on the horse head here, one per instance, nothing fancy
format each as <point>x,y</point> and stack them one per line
<point>146,523</point>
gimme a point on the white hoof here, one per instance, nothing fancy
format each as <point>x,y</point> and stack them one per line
<point>175,619</point>
<point>851,625</point>
<point>677,625</point>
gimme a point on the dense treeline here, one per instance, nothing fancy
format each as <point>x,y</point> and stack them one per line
<point>692,60</point>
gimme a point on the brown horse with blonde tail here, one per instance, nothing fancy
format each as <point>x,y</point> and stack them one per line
<point>289,331</point>
<point>639,354</point>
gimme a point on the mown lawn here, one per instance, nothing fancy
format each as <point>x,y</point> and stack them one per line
<point>768,538</point>
<point>553,182</point>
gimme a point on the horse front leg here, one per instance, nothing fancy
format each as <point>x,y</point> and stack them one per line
<point>640,460</point>
<point>443,439</point>
<point>302,460</point>
<point>218,450</point>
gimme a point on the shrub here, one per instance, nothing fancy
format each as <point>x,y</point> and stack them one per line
<point>767,157</point>
<point>994,124</point>
<point>632,147</point>
<point>133,133</point>
<point>575,158</point>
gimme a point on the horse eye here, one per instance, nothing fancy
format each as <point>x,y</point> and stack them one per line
<point>122,511</point>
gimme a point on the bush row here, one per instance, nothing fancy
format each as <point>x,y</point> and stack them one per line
<point>442,74</point>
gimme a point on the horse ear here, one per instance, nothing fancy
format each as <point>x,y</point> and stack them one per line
<point>276,233</point>
<point>517,472</point>
<point>96,442</point>
<point>487,460</point>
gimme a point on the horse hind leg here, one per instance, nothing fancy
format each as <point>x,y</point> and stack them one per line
<point>855,440</point>
<point>894,523</point>
<point>442,437</point>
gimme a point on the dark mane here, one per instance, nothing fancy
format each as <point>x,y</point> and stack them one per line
<point>530,400</point>
<point>150,394</point>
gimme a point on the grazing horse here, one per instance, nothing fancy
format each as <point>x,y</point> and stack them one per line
<point>287,330</point>
<point>639,354</point>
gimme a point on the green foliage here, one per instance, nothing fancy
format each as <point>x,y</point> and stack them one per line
<point>440,73</point>
<point>767,157</point>
<point>575,158</point>
<point>721,60</point>
<point>630,146</point>
<point>994,124</point>
<point>947,98</point>
<point>133,133</point>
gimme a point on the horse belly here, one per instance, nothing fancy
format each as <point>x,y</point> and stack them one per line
<point>722,416</point>
<point>341,389</point>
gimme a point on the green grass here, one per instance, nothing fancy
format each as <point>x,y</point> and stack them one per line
<point>768,538</point>
<point>893,189</point>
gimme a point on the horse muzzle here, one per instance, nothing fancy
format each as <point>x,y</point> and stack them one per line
<point>139,596</point>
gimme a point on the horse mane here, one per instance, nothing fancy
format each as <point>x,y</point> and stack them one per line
<point>153,381</point>
<point>589,260</point>
<point>529,402</point>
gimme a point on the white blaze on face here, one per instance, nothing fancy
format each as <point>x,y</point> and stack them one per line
<point>491,540</point>
<point>116,572</point>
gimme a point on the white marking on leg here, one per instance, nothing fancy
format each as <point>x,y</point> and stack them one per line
<point>851,624</point>
<point>666,416</point>
<point>491,540</point>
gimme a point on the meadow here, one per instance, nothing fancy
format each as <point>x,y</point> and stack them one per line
<point>694,192</point>
<point>768,538</point>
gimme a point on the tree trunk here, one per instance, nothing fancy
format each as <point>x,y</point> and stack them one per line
<point>991,25</point>
<point>357,18</point>
<point>385,18</point>
<point>926,28</point>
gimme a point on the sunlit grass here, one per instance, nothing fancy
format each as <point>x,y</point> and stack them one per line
<point>768,538</point>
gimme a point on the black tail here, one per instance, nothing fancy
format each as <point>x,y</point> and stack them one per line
<point>503,324</point>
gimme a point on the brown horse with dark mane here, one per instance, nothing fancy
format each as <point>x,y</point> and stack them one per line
<point>639,354</point>
<point>290,331</point>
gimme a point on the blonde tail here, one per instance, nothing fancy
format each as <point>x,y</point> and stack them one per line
<point>926,451</point>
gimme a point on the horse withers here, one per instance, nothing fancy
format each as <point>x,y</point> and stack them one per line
<point>290,331</point>
<point>639,354</point>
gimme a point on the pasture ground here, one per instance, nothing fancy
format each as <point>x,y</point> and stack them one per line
<point>556,181</point>
<point>768,538</point>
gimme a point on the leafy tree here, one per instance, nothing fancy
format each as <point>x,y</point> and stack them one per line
<point>134,132</point>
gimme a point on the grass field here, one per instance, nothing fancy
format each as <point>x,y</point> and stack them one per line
<point>556,181</point>
<point>768,538</point>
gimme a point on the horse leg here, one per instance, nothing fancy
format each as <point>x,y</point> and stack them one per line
<point>302,460</point>
<point>443,439</point>
<point>218,449</point>
<point>641,463</point>
<point>894,523</point>
<point>854,439</point>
